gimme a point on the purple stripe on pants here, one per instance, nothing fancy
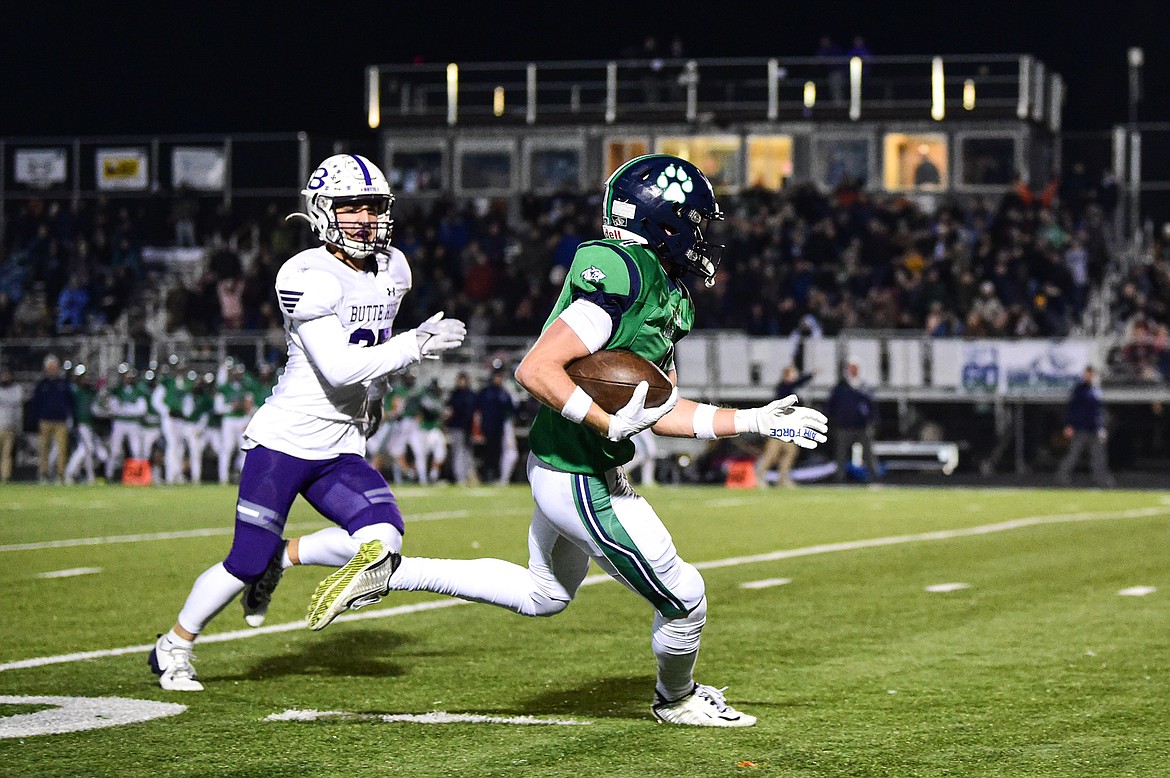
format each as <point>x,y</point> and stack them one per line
<point>336,487</point>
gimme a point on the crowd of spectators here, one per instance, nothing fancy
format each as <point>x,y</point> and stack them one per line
<point>797,261</point>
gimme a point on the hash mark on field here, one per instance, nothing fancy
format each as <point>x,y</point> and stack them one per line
<point>765,584</point>
<point>1138,591</point>
<point>948,587</point>
<point>70,572</point>
<point>726,502</point>
<point>434,717</point>
<point>773,556</point>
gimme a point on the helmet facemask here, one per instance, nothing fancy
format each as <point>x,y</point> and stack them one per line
<point>358,238</point>
<point>687,249</point>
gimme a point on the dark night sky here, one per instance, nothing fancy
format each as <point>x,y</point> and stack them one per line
<point>82,68</point>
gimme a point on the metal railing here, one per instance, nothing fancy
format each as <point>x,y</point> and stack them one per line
<point>763,88</point>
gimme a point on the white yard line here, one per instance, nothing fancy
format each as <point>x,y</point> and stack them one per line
<point>70,573</point>
<point>1138,591</point>
<point>792,553</point>
<point>434,717</point>
<point>943,588</point>
<point>767,583</point>
<point>195,533</point>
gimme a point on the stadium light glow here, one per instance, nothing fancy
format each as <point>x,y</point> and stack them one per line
<point>452,92</point>
<point>498,101</point>
<point>937,93</point>
<point>855,88</point>
<point>810,94</point>
<point>969,94</point>
<point>373,98</point>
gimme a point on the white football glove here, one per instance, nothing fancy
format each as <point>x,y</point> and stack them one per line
<point>786,420</point>
<point>437,334</point>
<point>635,416</point>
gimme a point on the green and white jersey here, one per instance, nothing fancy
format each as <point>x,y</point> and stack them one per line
<point>83,400</point>
<point>128,403</point>
<point>175,389</point>
<point>394,402</point>
<point>198,406</point>
<point>231,402</point>
<point>412,402</point>
<point>430,409</point>
<point>151,418</point>
<point>649,311</point>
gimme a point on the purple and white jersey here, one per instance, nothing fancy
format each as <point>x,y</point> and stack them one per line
<point>307,416</point>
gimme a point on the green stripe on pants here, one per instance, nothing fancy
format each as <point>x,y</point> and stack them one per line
<point>596,512</point>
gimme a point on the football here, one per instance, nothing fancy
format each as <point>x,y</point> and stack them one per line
<point>609,377</point>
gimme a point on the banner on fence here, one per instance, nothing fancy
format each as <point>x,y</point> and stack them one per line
<point>40,168</point>
<point>199,167</point>
<point>1040,366</point>
<point>122,169</point>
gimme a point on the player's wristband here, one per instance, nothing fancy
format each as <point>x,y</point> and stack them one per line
<point>577,406</point>
<point>704,422</point>
<point>745,421</point>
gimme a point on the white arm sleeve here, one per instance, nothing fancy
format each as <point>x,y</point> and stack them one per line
<point>590,323</point>
<point>158,401</point>
<point>342,364</point>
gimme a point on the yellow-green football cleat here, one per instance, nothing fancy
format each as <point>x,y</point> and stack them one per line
<point>363,580</point>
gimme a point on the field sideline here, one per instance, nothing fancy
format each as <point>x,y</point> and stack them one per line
<point>1025,660</point>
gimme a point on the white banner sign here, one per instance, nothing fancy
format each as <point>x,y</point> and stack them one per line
<point>122,169</point>
<point>200,168</point>
<point>40,168</point>
<point>1024,366</point>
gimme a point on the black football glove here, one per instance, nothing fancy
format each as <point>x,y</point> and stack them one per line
<point>373,419</point>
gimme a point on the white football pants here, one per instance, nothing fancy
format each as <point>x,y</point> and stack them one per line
<point>123,432</point>
<point>578,518</point>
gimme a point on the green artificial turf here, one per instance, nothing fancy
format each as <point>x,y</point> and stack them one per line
<point>1038,668</point>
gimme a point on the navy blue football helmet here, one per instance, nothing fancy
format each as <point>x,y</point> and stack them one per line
<point>664,202</point>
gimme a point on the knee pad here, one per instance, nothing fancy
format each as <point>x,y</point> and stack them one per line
<point>544,606</point>
<point>689,588</point>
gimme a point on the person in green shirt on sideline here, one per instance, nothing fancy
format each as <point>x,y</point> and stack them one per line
<point>126,405</point>
<point>89,445</point>
<point>198,403</point>
<point>234,401</point>
<point>151,423</point>
<point>390,436</point>
<point>173,386</point>
<point>427,440</point>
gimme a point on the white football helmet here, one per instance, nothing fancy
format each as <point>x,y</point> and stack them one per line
<point>341,178</point>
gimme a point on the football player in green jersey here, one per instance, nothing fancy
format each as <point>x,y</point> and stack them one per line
<point>626,291</point>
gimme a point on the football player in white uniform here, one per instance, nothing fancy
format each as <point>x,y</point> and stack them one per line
<point>339,302</point>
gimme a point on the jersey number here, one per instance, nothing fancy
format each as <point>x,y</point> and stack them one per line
<point>363,337</point>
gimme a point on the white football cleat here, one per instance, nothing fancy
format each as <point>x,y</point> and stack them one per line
<point>172,665</point>
<point>703,707</point>
<point>258,596</point>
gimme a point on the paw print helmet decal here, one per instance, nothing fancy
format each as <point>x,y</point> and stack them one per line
<point>665,203</point>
